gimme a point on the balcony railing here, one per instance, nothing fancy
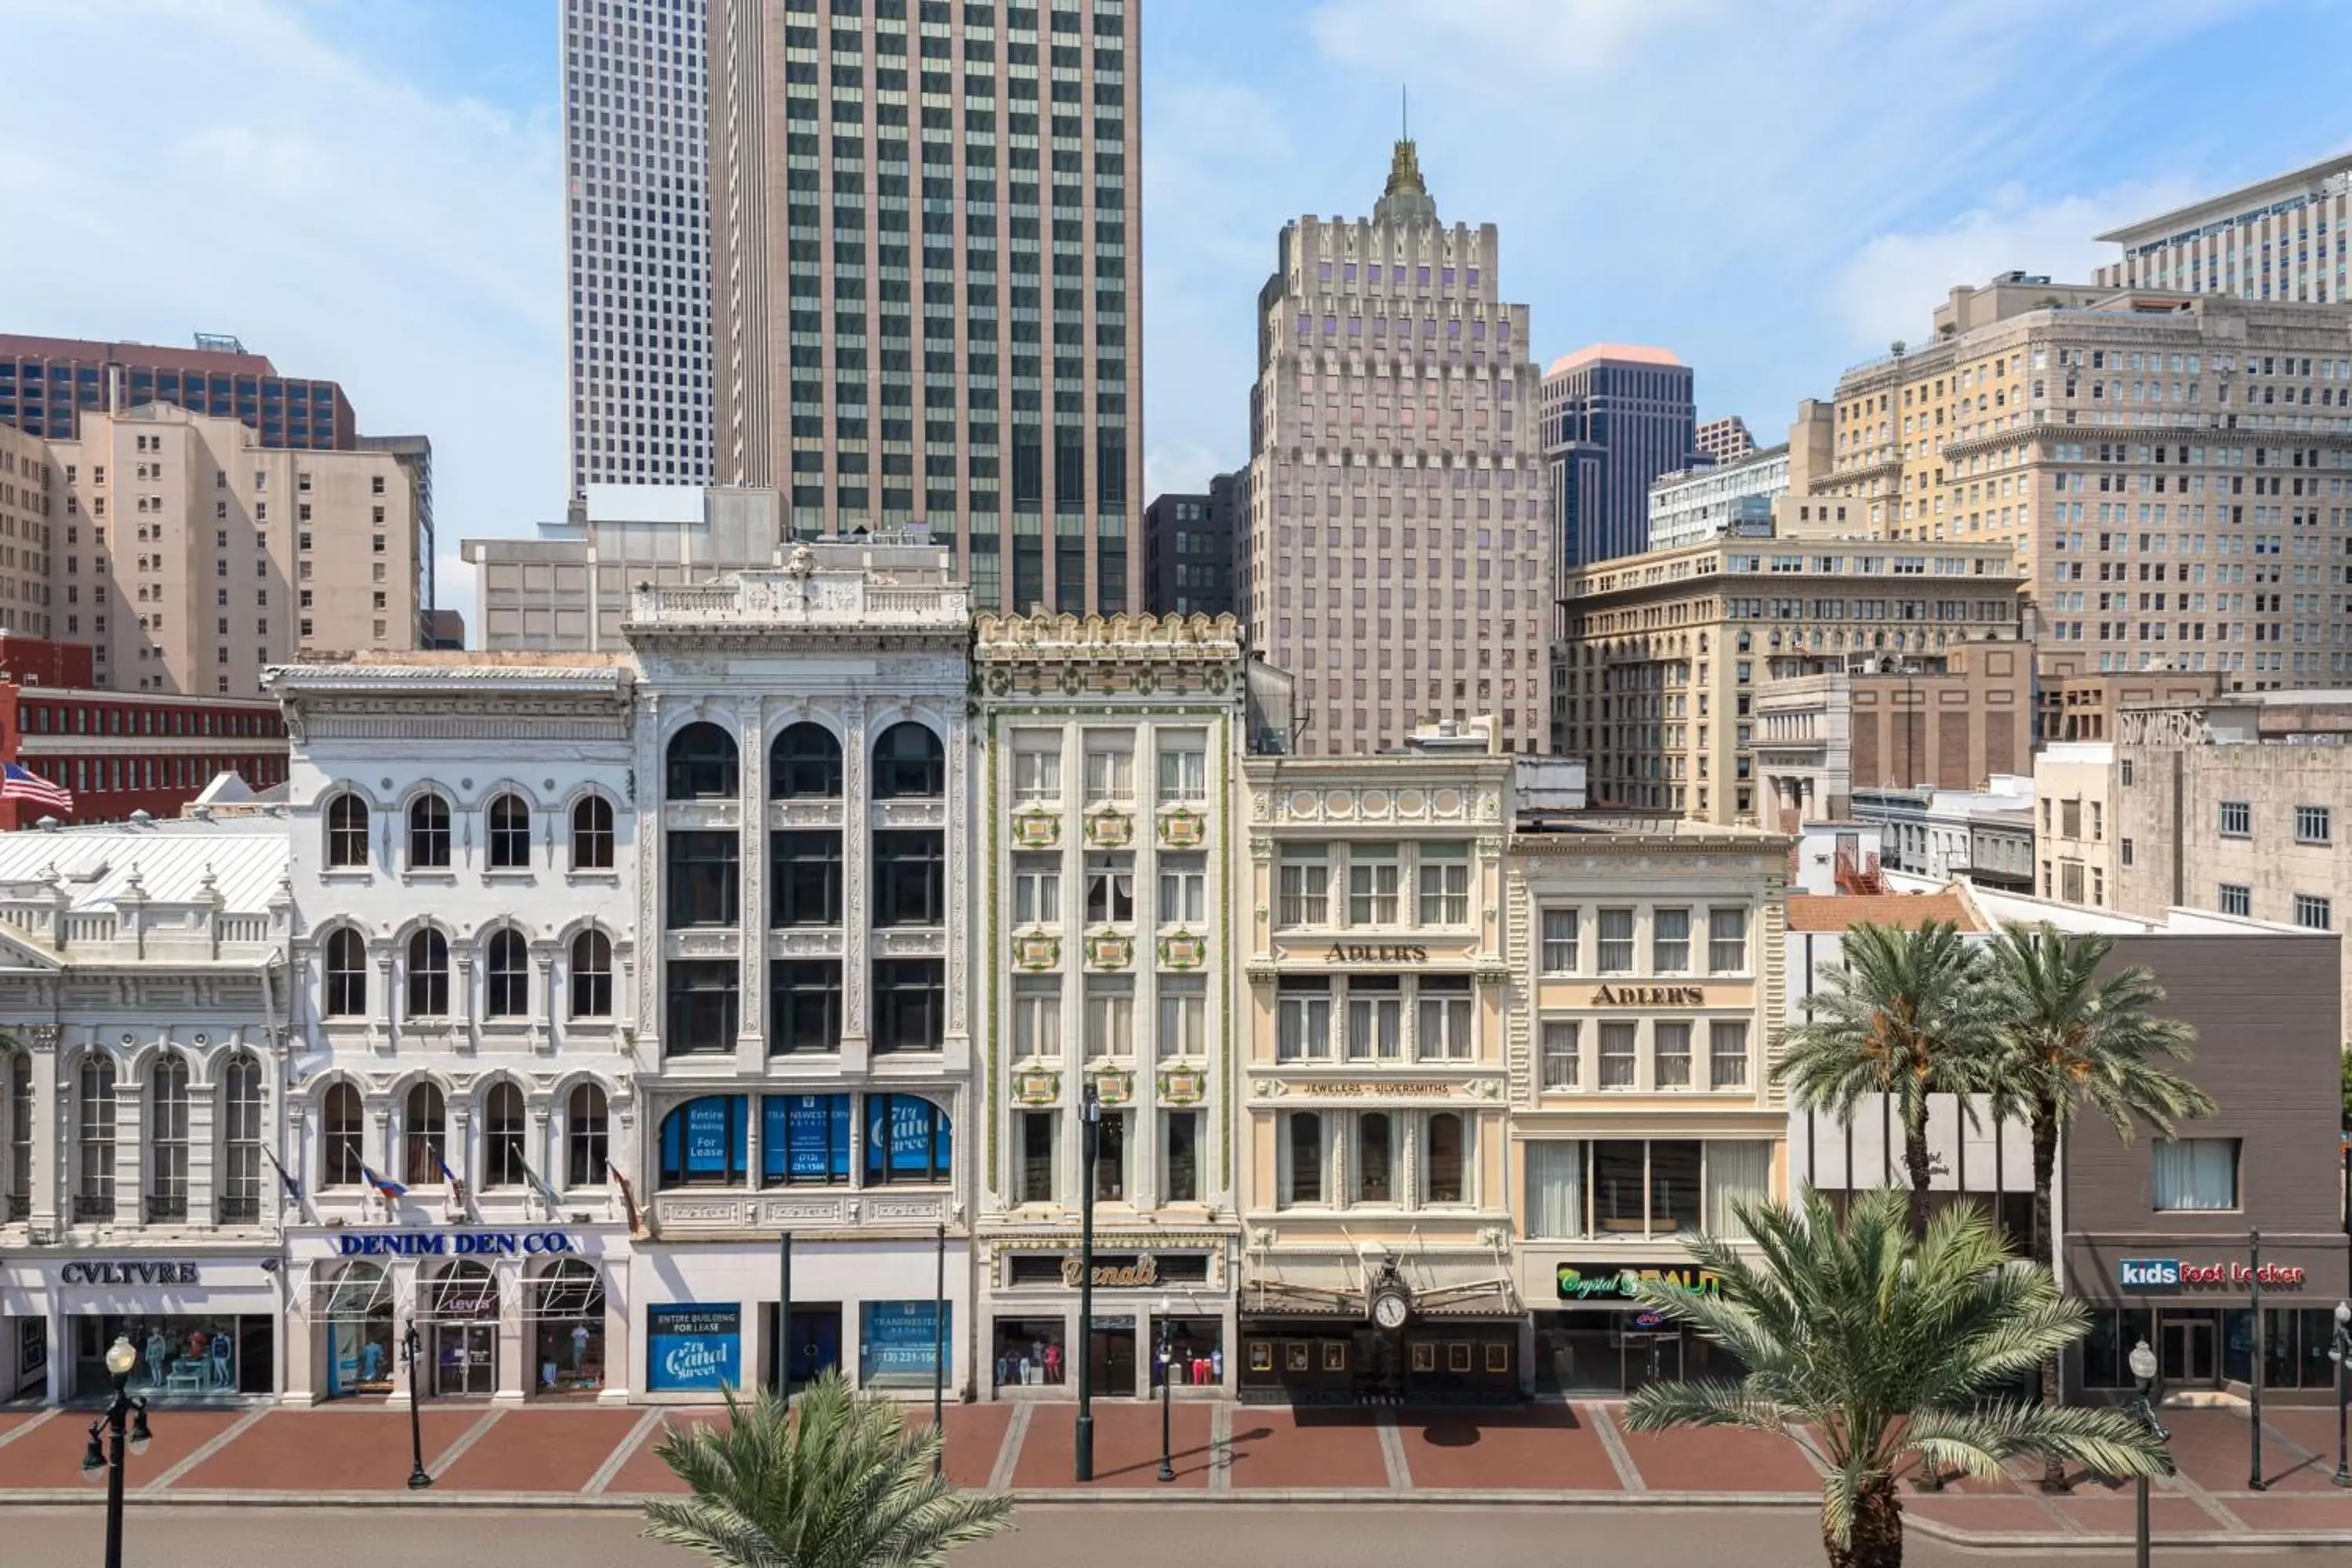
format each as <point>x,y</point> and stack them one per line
<point>86,1207</point>
<point>240,1211</point>
<point>163,1206</point>
<point>20,1206</point>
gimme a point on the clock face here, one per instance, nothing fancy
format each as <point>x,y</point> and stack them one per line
<point>1389,1311</point>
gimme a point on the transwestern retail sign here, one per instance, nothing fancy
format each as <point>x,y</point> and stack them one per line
<point>2174,1274</point>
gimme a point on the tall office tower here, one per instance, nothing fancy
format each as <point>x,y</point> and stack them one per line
<point>1188,545</point>
<point>637,240</point>
<point>2150,461</point>
<point>1393,549</point>
<point>45,383</point>
<point>926,226</point>
<point>1615,416</point>
<point>2280,239</point>
<point>1726,440</point>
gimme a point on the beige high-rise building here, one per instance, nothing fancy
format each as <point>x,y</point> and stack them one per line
<point>926,285</point>
<point>28,508</point>
<point>2281,238</point>
<point>2171,470</point>
<point>1663,653</point>
<point>1394,553</point>
<point>188,557</point>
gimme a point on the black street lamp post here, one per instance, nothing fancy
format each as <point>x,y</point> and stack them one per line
<point>2340,1352</point>
<point>107,1437</point>
<point>412,1351</point>
<point>1090,1147</point>
<point>2143,1371</point>
<point>2254,1481</point>
<point>1167,1378</point>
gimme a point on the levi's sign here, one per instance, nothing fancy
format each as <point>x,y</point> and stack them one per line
<point>2171,1273</point>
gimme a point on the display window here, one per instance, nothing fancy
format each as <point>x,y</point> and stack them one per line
<point>356,1312</point>
<point>1196,1351</point>
<point>899,1344</point>
<point>567,1323</point>
<point>1029,1352</point>
<point>180,1356</point>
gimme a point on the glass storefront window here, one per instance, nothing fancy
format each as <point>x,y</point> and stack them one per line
<point>360,1353</point>
<point>2106,1349</point>
<point>899,1344</point>
<point>195,1356</point>
<point>693,1346</point>
<point>567,1309</point>
<point>1029,1351</point>
<point>1673,1187</point>
<point>1196,1350</point>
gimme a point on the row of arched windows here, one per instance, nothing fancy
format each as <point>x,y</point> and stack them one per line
<point>804,763</point>
<point>98,1087</point>
<point>425,1157</point>
<point>508,829</point>
<point>506,975</point>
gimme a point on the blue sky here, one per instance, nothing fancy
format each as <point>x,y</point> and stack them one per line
<point>369,189</point>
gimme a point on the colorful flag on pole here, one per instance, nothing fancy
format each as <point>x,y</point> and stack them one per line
<point>457,1187</point>
<point>384,1184</point>
<point>293,1187</point>
<point>18,782</point>
<point>547,1194</point>
<point>629,1195</point>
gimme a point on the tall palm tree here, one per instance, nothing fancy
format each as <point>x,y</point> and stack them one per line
<point>836,1481</point>
<point>2070,1038</point>
<point>1904,1016</point>
<point>1886,1350</point>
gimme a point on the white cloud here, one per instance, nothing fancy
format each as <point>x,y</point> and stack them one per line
<point>1889,289</point>
<point>245,174</point>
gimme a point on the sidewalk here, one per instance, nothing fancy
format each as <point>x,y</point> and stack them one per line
<point>588,1456</point>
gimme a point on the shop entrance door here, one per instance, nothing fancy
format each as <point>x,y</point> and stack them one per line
<point>815,1344</point>
<point>1113,1357</point>
<point>2188,1339</point>
<point>1647,1357</point>
<point>465,1359</point>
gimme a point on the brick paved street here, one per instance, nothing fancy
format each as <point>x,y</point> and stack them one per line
<point>1562,1455</point>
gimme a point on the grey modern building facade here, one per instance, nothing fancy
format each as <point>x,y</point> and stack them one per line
<point>1615,416</point>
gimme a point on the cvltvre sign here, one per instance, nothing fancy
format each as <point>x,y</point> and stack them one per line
<point>2171,1273</point>
<point>80,1273</point>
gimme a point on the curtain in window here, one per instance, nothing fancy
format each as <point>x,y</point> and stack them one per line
<point>1556,1187</point>
<point>2197,1173</point>
<point>1737,1170</point>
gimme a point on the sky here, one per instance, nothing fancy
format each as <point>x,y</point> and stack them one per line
<point>371,190</point>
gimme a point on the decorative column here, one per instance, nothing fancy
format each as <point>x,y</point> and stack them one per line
<point>469,1037</point>
<point>856,868</point>
<point>51,1099</point>
<point>751,912</point>
<point>130,1141</point>
<point>204,1152</point>
<point>543,1016</point>
<point>380,1015</point>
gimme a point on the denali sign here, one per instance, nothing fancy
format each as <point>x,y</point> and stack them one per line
<point>2172,1274</point>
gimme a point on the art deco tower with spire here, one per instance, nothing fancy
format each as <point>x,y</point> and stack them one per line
<point>1394,556</point>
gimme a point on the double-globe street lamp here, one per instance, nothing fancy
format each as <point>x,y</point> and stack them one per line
<point>410,1351</point>
<point>108,1437</point>
<point>1089,1150</point>
<point>1167,1377</point>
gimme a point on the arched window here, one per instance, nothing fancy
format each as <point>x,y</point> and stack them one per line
<point>346,973</point>
<point>908,1139</point>
<point>338,1136</point>
<point>428,832</point>
<point>94,1172</point>
<point>240,1191</point>
<point>1445,1158</point>
<point>509,976</point>
<point>592,975</point>
<point>704,1144</point>
<point>804,763</point>
<point>701,764</point>
<point>167,1138</point>
<point>585,1141</point>
<point>909,764</point>
<point>503,1139</point>
<point>20,1136</point>
<point>424,1136</point>
<point>510,833</point>
<point>591,834</point>
<point>347,832</point>
<point>428,974</point>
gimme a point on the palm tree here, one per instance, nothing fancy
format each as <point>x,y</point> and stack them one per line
<point>1885,1349</point>
<point>2067,1038</point>
<point>1905,1016</point>
<point>835,1480</point>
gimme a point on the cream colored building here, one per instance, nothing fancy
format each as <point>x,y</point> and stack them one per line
<point>28,508</point>
<point>2171,470</point>
<point>1641,1006</point>
<point>2256,241</point>
<point>2075,839</point>
<point>190,557</point>
<point>1108,752</point>
<point>1664,654</point>
<point>1374,1119</point>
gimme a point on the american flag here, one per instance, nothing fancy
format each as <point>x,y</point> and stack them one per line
<point>18,782</point>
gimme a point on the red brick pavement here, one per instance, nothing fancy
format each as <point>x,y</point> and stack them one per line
<point>539,1451</point>
<point>1127,1447</point>
<point>2113,1512</point>
<point>1275,1447</point>
<point>1543,1447</point>
<point>975,1436</point>
<point>12,1419</point>
<point>643,1471</point>
<point>51,1455</point>
<point>1719,1459</point>
<point>2312,1430</point>
<point>2294,1510</point>
<point>324,1451</point>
